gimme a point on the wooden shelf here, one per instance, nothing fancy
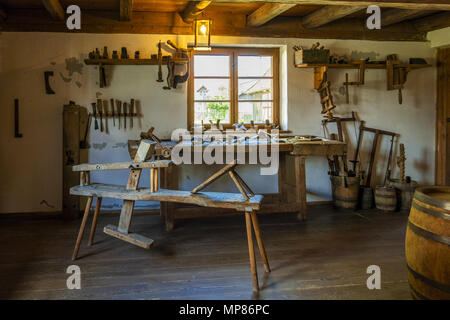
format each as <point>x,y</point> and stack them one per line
<point>356,66</point>
<point>135,62</point>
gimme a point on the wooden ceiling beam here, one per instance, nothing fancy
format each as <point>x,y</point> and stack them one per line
<point>267,12</point>
<point>400,4</point>
<point>227,24</point>
<point>193,9</point>
<point>393,16</point>
<point>433,22</point>
<point>54,8</point>
<point>327,14</point>
<point>126,10</point>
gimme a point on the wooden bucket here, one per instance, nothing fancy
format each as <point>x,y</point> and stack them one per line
<point>345,195</point>
<point>385,198</point>
<point>366,201</point>
<point>405,192</point>
<point>427,244</point>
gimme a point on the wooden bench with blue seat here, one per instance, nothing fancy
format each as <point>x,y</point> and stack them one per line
<point>245,201</point>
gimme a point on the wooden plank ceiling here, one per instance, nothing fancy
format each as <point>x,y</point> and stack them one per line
<point>407,20</point>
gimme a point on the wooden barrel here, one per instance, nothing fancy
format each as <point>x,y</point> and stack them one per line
<point>427,244</point>
<point>385,198</point>
<point>345,191</point>
<point>405,192</point>
<point>366,198</point>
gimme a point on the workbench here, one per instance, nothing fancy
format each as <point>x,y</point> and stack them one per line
<point>291,196</point>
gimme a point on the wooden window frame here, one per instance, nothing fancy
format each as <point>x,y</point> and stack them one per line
<point>234,98</point>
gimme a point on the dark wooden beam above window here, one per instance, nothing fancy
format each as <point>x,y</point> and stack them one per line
<point>54,8</point>
<point>433,22</point>
<point>393,16</point>
<point>227,24</point>
<point>400,4</point>
<point>126,10</point>
<point>193,9</point>
<point>266,13</point>
<point>328,14</point>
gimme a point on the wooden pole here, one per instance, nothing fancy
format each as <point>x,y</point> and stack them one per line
<point>259,240</point>
<point>251,251</point>
<point>81,231</point>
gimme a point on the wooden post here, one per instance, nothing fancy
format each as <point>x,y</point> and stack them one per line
<point>83,225</point>
<point>300,185</point>
<point>251,251</point>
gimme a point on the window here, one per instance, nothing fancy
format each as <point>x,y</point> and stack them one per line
<point>233,85</point>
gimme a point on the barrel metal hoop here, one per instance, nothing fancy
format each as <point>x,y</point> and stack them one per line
<point>431,212</point>
<point>346,199</point>
<point>431,283</point>
<point>419,295</point>
<point>421,196</point>
<point>428,235</point>
<point>384,196</point>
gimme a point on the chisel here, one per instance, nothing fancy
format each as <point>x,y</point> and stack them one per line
<point>100,111</point>
<point>125,115</point>
<point>94,111</point>
<point>112,111</point>
<point>131,112</point>
<point>119,110</point>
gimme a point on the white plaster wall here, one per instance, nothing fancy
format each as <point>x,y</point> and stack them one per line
<point>31,167</point>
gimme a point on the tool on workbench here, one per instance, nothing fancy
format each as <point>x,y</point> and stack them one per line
<point>115,55</point>
<point>94,112</point>
<point>124,115</point>
<point>48,89</point>
<point>160,77</point>
<point>119,110</point>
<point>136,54</point>
<point>131,113</point>
<point>112,112</point>
<point>362,68</point>
<point>165,152</point>
<point>16,119</point>
<point>100,111</point>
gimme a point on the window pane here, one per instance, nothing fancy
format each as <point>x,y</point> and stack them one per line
<point>211,66</point>
<point>255,89</point>
<point>256,111</point>
<point>255,66</point>
<point>212,89</point>
<point>211,111</point>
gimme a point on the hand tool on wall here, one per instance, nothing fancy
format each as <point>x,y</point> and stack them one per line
<point>102,75</point>
<point>100,111</point>
<point>105,53</point>
<point>131,112</point>
<point>358,145</point>
<point>112,112</point>
<point>119,110</point>
<point>160,78</point>
<point>169,75</point>
<point>396,74</point>
<point>16,119</point>
<point>48,89</point>
<point>94,112</point>
<point>362,69</point>
<point>124,115</point>
<point>123,53</point>
<point>83,143</point>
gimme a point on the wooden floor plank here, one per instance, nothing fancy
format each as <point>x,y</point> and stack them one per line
<point>324,257</point>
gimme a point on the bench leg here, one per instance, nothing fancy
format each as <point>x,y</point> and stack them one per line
<point>83,225</point>
<point>94,221</point>
<point>262,250</point>
<point>251,251</point>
